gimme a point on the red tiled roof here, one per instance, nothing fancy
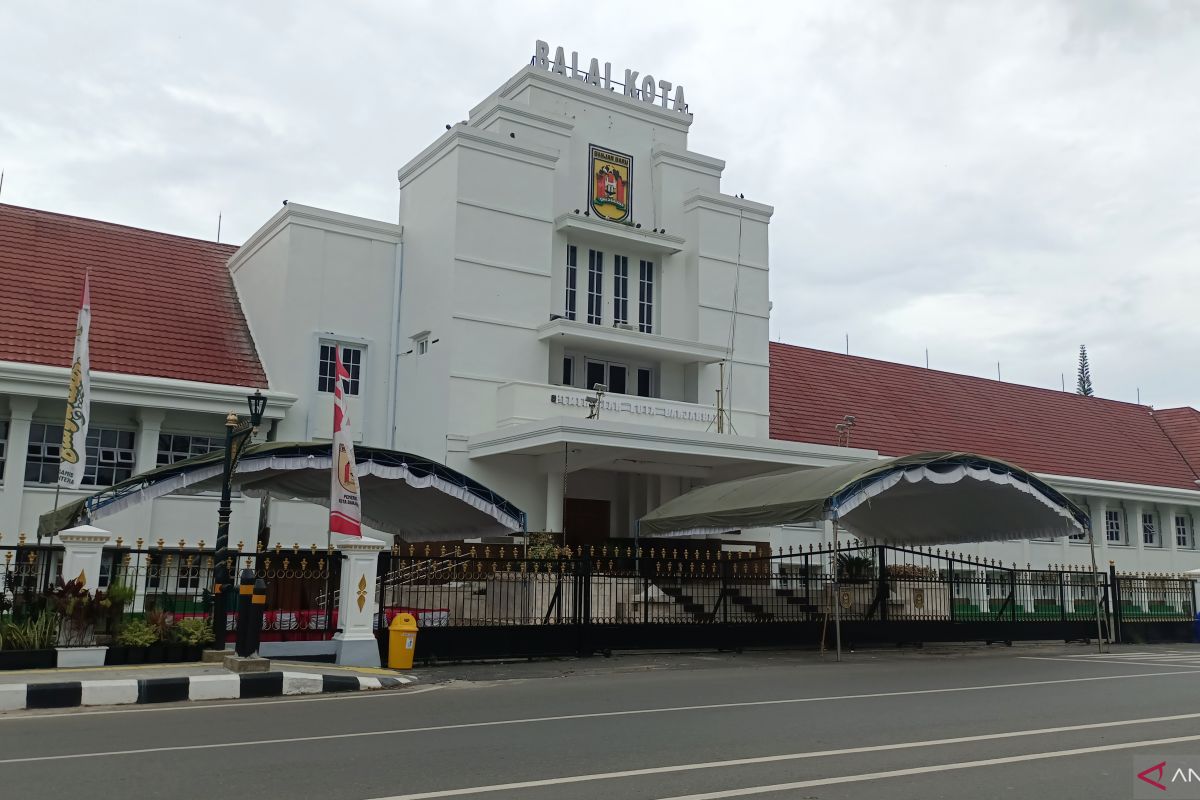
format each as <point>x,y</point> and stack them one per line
<point>900,409</point>
<point>1182,425</point>
<point>162,305</point>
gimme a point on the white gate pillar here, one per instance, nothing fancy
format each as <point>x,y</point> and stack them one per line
<point>356,644</point>
<point>83,546</point>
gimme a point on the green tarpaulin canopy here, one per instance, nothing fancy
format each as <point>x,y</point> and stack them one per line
<point>401,493</point>
<point>927,498</point>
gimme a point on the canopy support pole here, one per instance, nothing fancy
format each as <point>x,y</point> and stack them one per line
<point>837,596</point>
<point>1095,588</point>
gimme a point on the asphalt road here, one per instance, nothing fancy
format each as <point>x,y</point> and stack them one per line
<point>1019,722</point>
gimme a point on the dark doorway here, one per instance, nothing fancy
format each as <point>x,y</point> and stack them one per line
<point>587,521</point>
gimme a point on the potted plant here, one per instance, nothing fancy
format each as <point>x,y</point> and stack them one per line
<point>136,636</point>
<point>160,623</point>
<point>192,633</point>
<point>78,611</point>
<point>29,643</point>
<point>855,569</point>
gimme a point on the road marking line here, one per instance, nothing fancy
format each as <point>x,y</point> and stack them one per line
<point>1103,661</point>
<point>900,773</point>
<point>529,720</point>
<point>204,705</point>
<point>742,762</point>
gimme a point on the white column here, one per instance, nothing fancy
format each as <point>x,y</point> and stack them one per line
<point>138,521</point>
<point>1135,529</point>
<point>356,644</point>
<point>1099,509</point>
<point>82,547</point>
<point>554,501</point>
<point>20,416</point>
<point>625,481</point>
<point>653,492</point>
<point>150,422</point>
<point>1167,534</point>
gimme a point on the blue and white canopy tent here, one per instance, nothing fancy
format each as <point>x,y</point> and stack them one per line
<point>922,499</point>
<point>419,499</point>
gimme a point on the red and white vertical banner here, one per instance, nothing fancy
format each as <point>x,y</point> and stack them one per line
<point>73,453</point>
<point>345,513</point>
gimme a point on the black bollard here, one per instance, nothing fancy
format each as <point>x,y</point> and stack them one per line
<point>245,625</point>
<point>258,602</point>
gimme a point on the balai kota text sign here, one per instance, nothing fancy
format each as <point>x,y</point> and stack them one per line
<point>639,87</point>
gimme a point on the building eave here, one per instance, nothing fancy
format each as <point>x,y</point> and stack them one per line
<point>141,391</point>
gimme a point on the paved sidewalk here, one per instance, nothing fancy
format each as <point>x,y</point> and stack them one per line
<point>164,683</point>
<point>141,671</point>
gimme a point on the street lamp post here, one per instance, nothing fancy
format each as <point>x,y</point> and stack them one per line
<point>237,433</point>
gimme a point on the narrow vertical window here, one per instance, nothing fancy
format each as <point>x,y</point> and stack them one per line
<point>1181,531</point>
<point>1112,526</point>
<point>620,290</point>
<point>1148,531</point>
<point>595,286</point>
<point>569,307</point>
<point>646,298</point>
<point>351,360</point>
<point>568,373</point>
<point>643,382</point>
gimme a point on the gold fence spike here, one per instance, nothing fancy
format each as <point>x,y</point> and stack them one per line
<point>160,543</point>
<point>120,541</point>
<point>604,551</point>
<point>278,548</point>
<point>21,538</point>
<point>139,543</point>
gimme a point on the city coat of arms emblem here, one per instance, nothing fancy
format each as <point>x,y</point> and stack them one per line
<point>609,188</point>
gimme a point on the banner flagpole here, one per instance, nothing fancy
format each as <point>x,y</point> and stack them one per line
<point>345,511</point>
<point>72,455</point>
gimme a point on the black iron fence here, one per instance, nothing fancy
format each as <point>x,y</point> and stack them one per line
<point>515,602</point>
<point>165,585</point>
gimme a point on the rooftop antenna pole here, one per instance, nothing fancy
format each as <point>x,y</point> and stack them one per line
<point>1139,395</point>
<point>847,344</point>
<point>1063,376</point>
<point>1,181</point>
<point>926,358</point>
<point>218,227</point>
<point>997,370</point>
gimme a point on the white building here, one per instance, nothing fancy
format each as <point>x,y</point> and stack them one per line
<point>562,236</point>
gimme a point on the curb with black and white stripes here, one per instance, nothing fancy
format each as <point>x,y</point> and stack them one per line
<point>67,694</point>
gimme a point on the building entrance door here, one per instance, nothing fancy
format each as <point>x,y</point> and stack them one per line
<point>587,521</point>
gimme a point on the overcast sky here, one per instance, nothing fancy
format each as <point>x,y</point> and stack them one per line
<point>996,182</point>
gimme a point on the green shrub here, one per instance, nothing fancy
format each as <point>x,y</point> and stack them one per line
<point>193,631</point>
<point>33,633</point>
<point>137,633</point>
<point>121,593</point>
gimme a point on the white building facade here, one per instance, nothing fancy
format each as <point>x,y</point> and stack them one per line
<point>560,238</point>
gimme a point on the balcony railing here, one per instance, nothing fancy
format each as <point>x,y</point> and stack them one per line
<point>521,402</point>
